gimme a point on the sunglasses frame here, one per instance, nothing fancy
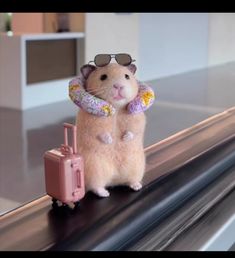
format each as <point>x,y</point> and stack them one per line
<point>110,58</point>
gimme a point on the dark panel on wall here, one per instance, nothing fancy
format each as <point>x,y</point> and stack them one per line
<point>50,60</point>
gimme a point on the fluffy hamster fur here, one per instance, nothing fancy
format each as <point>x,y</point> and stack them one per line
<point>112,147</point>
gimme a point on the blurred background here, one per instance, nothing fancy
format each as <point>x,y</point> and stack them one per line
<point>163,43</point>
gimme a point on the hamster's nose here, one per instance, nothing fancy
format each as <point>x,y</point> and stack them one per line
<point>118,86</point>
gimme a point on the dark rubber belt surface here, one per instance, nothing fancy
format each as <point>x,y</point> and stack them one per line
<point>136,213</point>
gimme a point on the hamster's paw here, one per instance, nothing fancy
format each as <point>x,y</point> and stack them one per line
<point>127,136</point>
<point>105,138</point>
<point>101,192</point>
<point>136,186</point>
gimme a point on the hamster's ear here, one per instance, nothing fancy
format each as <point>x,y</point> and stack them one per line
<point>87,69</point>
<point>132,68</point>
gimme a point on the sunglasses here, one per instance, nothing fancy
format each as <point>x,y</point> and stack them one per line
<point>104,59</point>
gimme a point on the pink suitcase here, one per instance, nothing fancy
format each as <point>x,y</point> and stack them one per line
<point>64,171</point>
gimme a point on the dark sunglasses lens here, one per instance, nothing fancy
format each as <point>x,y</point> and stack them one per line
<point>123,59</point>
<point>102,60</point>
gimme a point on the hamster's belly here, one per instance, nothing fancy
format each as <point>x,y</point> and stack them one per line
<point>121,158</point>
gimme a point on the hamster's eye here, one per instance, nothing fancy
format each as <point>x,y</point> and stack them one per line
<point>127,76</point>
<point>103,77</point>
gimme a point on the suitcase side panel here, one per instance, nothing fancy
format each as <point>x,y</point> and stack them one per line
<point>52,163</point>
<point>79,191</point>
<point>73,178</point>
<point>64,176</point>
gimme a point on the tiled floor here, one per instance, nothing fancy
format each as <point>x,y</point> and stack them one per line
<point>182,100</point>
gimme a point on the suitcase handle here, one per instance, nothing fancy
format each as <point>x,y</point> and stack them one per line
<point>74,139</point>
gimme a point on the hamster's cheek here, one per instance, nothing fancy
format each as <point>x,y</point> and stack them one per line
<point>129,92</point>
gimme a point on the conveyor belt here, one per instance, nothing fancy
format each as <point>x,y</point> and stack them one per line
<point>178,169</point>
<point>192,226</point>
<point>134,217</point>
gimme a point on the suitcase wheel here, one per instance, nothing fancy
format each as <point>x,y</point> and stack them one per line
<point>56,203</point>
<point>72,206</point>
<point>77,204</point>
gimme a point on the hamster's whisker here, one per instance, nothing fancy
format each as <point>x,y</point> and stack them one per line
<point>98,90</point>
<point>91,91</point>
<point>108,92</point>
<point>94,92</point>
<point>96,95</point>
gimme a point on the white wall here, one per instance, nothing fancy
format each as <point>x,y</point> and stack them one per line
<point>221,50</point>
<point>164,44</point>
<point>10,72</point>
<point>172,43</point>
<point>221,38</point>
<point>111,33</point>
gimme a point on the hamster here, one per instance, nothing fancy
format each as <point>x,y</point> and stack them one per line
<point>112,147</point>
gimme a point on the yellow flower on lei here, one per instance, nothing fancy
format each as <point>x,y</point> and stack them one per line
<point>147,97</point>
<point>107,109</point>
<point>74,87</point>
